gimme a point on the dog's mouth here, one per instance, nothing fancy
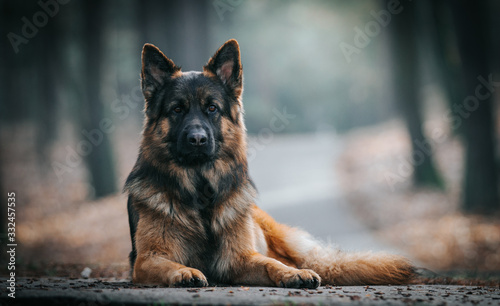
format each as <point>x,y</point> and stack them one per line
<point>196,157</point>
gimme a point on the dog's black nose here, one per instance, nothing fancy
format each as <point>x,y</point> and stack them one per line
<point>197,137</point>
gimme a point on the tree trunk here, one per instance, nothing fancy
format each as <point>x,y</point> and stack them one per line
<point>188,26</point>
<point>179,28</point>
<point>476,110</point>
<point>47,106</point>
<point>100,159</point>
<point>447,56</point>
<point>406,83</point>
<point>13,64</point>
<point>3,213</point>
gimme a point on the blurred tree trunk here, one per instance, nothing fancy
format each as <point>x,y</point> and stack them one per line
<point>3,116</point>
<point>128,46</point>
<point>3,197</point>
<point>5,64</point>
<point>12,64</point>
<point>494,35</point>
<point>406,84</point>
<point>179,28</point>
<point>446,51</point>
<point>481,177</point>
<point>47,106</point>
<point>187,24</point>
<point>100,160</point>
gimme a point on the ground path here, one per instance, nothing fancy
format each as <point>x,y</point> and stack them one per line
<point>297,183</point>
<point>63,291</point>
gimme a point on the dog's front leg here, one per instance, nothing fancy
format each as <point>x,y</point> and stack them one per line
<point>259,270</point>
<point>156,269</point>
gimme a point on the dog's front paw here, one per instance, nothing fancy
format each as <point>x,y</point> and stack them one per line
<point>300,279</point>
<point>188,277</point>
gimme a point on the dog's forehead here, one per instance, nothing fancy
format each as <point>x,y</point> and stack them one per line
<point>192,79</point>
<point>196,84</point>
<point>191,74</point>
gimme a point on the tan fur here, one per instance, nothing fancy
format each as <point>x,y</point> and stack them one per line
<point>164,246</point>
<point>334,266</point>
<point>230,240</point>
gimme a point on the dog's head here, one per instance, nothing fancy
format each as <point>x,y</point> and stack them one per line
<point>192,118</point>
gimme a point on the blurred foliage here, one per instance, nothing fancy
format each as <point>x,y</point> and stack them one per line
<point>290,52</point>
<point>294,59</point>
<point>293,63</point>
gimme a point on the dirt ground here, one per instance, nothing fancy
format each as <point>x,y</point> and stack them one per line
<point>64,291</point>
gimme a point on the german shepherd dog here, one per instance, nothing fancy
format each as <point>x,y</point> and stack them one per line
<point>191,205</point>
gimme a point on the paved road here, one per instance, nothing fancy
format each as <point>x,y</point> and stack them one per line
<point>113,292</point>
<point>295,176</point>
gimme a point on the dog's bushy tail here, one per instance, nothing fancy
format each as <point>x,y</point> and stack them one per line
<point>344,268</point>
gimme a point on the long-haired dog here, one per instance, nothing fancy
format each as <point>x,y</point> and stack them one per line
<point>192,211</point>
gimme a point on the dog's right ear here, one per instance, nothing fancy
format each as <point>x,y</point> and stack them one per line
<point>156,70</point>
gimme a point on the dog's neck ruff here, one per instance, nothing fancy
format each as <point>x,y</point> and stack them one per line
<point>197,187</point>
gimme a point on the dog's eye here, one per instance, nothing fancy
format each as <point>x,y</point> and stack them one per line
<point>212,108</point>
<point>178,109</point>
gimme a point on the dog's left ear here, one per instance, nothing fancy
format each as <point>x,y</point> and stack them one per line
<point>226,64</point>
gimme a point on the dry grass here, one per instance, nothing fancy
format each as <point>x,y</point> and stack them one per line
<point>427,223</point>
<point>59,231</point>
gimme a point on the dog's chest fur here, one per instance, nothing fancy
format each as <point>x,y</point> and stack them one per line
<point>196,234</point>
<point>205,245</point>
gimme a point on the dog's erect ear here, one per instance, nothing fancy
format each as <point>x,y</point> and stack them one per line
<point>156,70</point>
<point>226,64</point>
